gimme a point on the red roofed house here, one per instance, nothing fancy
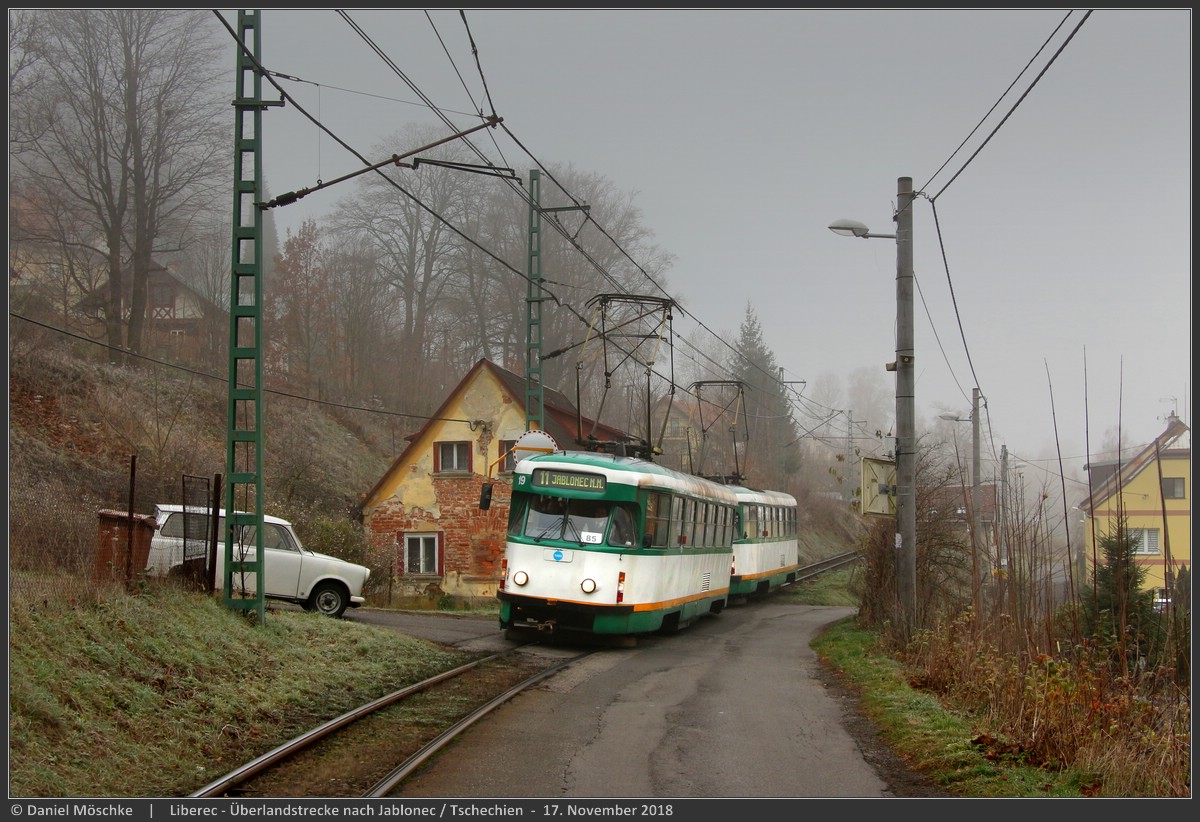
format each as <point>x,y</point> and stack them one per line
<point>425,508</point>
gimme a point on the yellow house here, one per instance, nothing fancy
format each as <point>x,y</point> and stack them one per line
<point>425,509</point>
<point>1151,492</point>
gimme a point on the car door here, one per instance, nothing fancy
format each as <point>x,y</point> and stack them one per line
<point>281,564</point>
<point>283,561</point>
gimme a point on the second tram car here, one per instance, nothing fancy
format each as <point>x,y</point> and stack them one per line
<point>766,553</point>
<point>618,545</point>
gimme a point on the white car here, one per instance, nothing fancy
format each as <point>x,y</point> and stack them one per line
<point>318,582</point>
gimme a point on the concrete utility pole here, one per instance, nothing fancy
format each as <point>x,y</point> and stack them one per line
<point>905,368</point>
<point>848,494</point>
<point>976,513</point>
<point>906,443</point>
<point>1002,541</point>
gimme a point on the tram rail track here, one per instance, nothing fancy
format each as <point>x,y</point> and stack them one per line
<point>339,757</point>
<point>336,761</point>
<point>826,565</point>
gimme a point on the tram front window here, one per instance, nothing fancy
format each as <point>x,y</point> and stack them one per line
<point>587,520</point>
<point>545,519</point>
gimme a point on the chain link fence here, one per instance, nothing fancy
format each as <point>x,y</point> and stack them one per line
<point>66,547</point>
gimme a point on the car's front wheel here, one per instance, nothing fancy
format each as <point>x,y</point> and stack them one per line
<point>329,598</point>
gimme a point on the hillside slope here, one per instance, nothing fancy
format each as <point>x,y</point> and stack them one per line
<point>87,434</point>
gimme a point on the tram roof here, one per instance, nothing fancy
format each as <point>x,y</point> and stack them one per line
<point>762,497</point>
<point>629,471</point>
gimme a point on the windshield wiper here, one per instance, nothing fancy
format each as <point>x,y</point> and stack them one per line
<point>542,535</point>
<point>578,534</point>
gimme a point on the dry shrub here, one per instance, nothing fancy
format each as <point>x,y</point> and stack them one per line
<point>1132,735</point>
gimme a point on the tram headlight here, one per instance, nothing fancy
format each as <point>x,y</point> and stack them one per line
<point>588,586</point>
<point>520,578</point>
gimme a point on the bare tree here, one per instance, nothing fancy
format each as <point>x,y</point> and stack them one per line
<point>304,296</point>
<point>359,311</point>
<point>25,76</point>
<point>134,131</point>
<point>407,220</point>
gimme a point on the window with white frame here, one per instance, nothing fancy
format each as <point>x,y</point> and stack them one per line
<point>452,456</point>
<point>1145,540</point>
<point>1172,488</point>
<point>421,555</point>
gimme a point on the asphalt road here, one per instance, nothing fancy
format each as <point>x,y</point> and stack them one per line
<point>467,632</point>
<point>730,707</point>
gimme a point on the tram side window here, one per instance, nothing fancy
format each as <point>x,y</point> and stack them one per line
<point>677,522</point>
<point>516,514</point>
<point>658,514</point>
<point>709,514</point>
<point>622,531</point>
<point>751,524</point>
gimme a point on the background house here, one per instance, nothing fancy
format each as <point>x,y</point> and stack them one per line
<point>180,322</point>
<point>63,280</point>
<point>425,510</point>
<point>1151,492</point>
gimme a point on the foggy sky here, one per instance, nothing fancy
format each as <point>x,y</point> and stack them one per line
<point>1064,243</point>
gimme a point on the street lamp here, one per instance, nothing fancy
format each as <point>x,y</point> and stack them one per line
<point>906,509</point>
<point>976,520</point>
<point>853,228</point>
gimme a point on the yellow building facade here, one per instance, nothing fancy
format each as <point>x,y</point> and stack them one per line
<point>1152,493</point>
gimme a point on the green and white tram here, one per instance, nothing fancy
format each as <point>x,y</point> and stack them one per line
<point>766,553</point>
<point>605,544</point>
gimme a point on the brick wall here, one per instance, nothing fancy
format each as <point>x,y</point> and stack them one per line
<point>473,540</point>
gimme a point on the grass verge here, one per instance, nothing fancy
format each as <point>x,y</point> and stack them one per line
<point>158,694</point>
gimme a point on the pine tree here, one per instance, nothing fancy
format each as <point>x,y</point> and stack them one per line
<point>1117,612</point>
<point>772,436</point>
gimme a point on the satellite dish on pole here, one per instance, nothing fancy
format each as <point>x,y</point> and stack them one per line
<point>532,443</point>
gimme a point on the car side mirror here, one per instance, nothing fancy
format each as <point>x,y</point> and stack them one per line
<point>485,496</point>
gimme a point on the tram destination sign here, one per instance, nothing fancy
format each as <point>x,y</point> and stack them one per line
<point>568,480</point>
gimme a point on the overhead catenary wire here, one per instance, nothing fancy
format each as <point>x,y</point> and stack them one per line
<point>593,220</point>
